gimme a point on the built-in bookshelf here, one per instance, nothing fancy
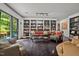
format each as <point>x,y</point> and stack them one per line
<point>74,26</point>
<point>53,25</point>
<point>26,28</point>
<point>33,25</point>
<point>46,25</point>
<point>38,25</point>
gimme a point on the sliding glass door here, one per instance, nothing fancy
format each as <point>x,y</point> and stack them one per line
<point>15,27</point>
<point>4,25</point>
<point>8,26</point>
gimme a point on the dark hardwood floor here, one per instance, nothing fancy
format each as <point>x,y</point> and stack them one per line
<point>40,48</point>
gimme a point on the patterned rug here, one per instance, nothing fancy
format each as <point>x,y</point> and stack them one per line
<point>39,48</point>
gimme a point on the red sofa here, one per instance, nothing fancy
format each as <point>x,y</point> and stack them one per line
<point>58,33</point>
<point>42,34</point>
<point>39,33</point>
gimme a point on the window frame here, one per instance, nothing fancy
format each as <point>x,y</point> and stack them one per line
<point>11,23</point>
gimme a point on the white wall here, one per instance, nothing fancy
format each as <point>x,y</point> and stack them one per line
<point>66,31</point>
<point>8,10</point>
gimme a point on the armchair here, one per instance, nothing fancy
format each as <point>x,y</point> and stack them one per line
<point>56,36</point>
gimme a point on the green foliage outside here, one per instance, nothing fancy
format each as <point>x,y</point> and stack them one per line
<point>5,20</point>
<point>14,27</point>
<point>14,24</point>
<point>4,23</point>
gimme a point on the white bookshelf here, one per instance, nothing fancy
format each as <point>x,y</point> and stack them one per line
<point>38,25</point>
<point>26,28</point>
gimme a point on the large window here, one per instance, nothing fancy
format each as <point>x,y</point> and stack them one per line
<point>4,25</point>
<point>15,29</point>
<point>8,26</point>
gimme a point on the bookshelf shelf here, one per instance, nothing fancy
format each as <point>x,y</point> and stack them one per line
<point>74,26</point>
<point>38,25</point>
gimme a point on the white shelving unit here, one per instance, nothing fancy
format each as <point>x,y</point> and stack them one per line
<point>46,25</point>
<point>38,25</point>
<point>33,25</point>
<point>26,28</point>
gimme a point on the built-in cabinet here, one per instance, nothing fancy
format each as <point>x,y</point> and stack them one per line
<point>33,25</point>
<point>53,25</point>
<point>74,26</point>
<point>46,25</point>
<point>38,25</point>
<point>26,28</point>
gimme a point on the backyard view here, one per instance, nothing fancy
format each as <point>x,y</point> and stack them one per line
<point>4,25</point>
<point>8,26</point>
<point>14,27</point>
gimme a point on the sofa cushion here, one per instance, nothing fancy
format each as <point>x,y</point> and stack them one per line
<point>39,33</point>
<point>45,33</point>
<point>58,33</point>
<point>49,33</point>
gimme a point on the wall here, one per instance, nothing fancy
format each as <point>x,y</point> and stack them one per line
<point>66,31</point>
<point>8,10</point>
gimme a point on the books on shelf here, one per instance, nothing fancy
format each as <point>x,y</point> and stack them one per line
<point>38,25</point>
<point>74,26</point>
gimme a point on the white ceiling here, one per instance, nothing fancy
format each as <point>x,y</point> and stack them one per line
<point>55,10</point>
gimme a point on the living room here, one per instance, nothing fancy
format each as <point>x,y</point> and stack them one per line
<point>39,29</point>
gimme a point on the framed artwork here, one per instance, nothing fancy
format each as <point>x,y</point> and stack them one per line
<point>65,25</point>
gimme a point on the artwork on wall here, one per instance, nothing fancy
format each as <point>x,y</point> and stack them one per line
<point>64,25</point>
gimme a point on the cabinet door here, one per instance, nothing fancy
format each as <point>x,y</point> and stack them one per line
<point>33,25</point>
<point>46,25</point>
<point>26,27</point>
<point>53,25</point>
<point>40,25</point>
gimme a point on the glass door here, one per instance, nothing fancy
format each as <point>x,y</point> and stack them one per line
<point>15,28</point>
<point>4,26</point>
